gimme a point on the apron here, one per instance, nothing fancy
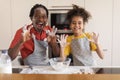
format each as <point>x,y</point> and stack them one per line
<point>82,55</point>
<point>39,57</point>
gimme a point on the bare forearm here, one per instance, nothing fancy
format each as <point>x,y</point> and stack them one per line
<point>62,53</point>
<point>54,45</point>
<point>13,52</point>
<point>99,51</point>
<point>55,49</point>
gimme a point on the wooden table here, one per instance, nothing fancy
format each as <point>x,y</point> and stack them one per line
<point>59,76</point>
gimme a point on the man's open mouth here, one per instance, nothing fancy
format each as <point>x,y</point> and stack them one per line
<point>40,25</point>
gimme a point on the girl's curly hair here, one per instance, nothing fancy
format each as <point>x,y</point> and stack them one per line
<point>78,11</point>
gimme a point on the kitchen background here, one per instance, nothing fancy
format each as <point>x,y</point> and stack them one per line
<point>105,21</point>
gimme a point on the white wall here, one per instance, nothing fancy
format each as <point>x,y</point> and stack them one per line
<point>5,23</point>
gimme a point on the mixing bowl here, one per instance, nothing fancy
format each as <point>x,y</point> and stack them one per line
<point>59,64</point>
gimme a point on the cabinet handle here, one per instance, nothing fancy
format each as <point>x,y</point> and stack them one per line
<point>105,50</point>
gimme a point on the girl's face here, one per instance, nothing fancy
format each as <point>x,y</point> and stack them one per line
<point>77,25</point>
<point>39,19</point>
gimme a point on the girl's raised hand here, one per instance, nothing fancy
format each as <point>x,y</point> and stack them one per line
<point>94,37</point>
<point>62,40</point>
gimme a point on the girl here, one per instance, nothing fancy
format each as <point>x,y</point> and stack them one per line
<point>80,44</point>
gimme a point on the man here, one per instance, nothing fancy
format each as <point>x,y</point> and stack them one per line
<point>32,40</point>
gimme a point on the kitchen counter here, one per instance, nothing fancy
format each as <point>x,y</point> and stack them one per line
<point>96,70</point>
<point>102,73</point>
<point>50,70</point>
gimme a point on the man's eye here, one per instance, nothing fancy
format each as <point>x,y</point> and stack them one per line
<point>73,23</point>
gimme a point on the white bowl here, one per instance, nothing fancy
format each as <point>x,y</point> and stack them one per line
<point>59,64</point>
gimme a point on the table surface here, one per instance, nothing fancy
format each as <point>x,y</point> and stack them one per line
<point>59,77</point>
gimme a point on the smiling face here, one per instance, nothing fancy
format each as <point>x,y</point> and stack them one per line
<point>77,25</point>
<point>39,19</point>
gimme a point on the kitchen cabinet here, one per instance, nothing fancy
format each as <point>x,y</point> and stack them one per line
<point>64,4</point>
<point>5,23</point>
<point>116,34</point>
<point>102,23</point>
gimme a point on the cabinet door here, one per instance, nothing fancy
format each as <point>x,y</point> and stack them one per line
<point>116,34</point>
<point>5,24</point>
<point>64,4</point>
<point>21,10</point>
<point>101,23</point>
